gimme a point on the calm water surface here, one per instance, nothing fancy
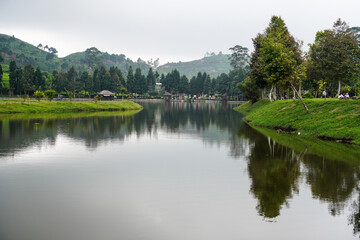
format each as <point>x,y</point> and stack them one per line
<point>172,171</point>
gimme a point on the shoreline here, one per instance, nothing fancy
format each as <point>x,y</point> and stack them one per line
<point>45,106</point>
<point>331,120</point>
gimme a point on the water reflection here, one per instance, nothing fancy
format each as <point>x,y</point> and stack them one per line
<point>275,170</point>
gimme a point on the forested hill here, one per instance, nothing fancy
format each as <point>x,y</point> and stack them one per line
<point>212,64</point>
<point>46,58</point>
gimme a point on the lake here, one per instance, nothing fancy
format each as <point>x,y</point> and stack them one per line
<point>171,171</point>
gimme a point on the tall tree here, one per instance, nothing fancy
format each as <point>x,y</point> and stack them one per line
<point>91,57</point>
<point>86,82</point>
<point>27,80</point>
<point>276,56</point>
<point>207,85</point>
<point>72,80</point>
<point>130,83</point>
<point>239,56</point>
<point>39,80</point>
<point>115,84</point>
<point>12,75</point>
<point>150,78</point>
<point>184,84</point>
<point>1,77</point>
<point>336,54</point>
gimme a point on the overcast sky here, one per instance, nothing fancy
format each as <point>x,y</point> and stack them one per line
<point>172,30</point>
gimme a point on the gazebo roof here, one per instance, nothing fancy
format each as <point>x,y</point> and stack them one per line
<point>167,94</point>
<point>106,93</point>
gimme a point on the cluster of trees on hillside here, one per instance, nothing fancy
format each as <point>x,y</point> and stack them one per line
<point>278,66</point>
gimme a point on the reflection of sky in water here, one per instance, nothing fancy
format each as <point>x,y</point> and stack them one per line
<point>161,184</point>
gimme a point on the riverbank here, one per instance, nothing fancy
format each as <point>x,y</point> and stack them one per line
<point>333,119</point>
<point>33,106</point>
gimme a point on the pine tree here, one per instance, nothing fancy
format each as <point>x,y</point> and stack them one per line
<point>38,79</point>
<point>130,81</point>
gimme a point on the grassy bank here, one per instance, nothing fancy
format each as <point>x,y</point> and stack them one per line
<point>33,106</point>
<point>332,119</point>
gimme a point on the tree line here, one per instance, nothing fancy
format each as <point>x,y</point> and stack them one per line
<point>279,67</point>
<point>28,80</point>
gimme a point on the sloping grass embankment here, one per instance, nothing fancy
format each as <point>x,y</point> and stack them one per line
<point>330,119</point>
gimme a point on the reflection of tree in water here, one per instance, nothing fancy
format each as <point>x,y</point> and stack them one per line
<point>331,181</point>
<point>354,218</point>
<point>274,171</point>
<point>17,134</point>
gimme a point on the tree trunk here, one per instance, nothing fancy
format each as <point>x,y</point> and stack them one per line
<point>302,100</point>
<point>275,93</point>
<point>300,87</point>
<point>272,86</point>
<point>339,88</point>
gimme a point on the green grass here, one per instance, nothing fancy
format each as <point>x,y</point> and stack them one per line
<point>33,106</point>
<point>67,115</point>
<point>332,118</point>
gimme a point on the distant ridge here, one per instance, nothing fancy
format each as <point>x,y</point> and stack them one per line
<point>23,53</point>
<point>212,64</point>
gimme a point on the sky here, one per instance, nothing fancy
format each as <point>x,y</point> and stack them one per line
<point>171,30</point>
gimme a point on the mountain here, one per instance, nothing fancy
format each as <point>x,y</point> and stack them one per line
<point>45,57</point>
<point>24,53</point>
<point>212,64</point>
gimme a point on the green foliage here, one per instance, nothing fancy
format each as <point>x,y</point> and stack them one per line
<point>130,81</point>
<point>276,58</point>
<point>250,90</point>
<point>335,56</point>
<point>239,57</point>
<point>50,94</point>
<point>346,89</point>
<point>38,95</point>
<point>1,76</point>
<point>25,97</point>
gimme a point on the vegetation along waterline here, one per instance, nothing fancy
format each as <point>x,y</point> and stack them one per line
<point>33,106</point>
<point>330,119</point>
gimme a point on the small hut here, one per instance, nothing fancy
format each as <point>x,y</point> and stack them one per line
<point>167,97</point>
<point>106,95</point>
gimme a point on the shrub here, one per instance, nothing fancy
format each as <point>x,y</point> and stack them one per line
<point>50,94</point>
<point>25,97</point>
<point>38,95</point>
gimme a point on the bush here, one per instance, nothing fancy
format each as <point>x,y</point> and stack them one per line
<point>38,95</point>
<point>249,90</point>
<point>25,97</point>
<point>354,91</point>
<point>50,94</point>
